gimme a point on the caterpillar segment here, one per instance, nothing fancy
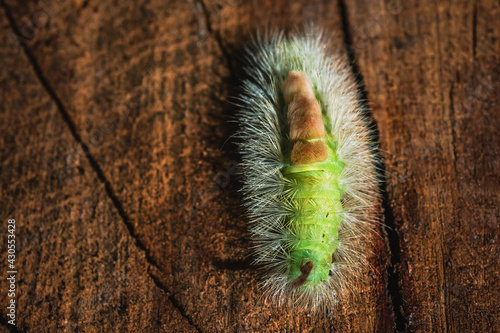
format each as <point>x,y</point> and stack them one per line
<point>314,229</point>
<point>309,179</point>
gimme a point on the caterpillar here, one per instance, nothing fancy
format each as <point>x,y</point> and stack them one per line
<point>309,180</point>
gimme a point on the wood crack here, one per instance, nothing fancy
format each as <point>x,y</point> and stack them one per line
<point>183,313</point>
<point>97,169</point>
<point>72,128</point>
<point>218,39</point>
<point>393,276</point>
<point>172,300</point>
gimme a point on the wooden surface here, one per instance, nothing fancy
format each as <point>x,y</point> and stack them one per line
<point>113,120</point>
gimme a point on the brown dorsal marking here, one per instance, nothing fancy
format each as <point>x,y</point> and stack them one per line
<point>306,270</point>
<point>304,116</point>
<point>305,120</point>
<point>296,83</point>
<point>308,152</point>
<point>303,105</point>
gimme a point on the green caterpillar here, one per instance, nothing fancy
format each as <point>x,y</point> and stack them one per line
<point>309,178</point>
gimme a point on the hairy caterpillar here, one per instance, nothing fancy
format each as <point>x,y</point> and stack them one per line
<point>309,177</point>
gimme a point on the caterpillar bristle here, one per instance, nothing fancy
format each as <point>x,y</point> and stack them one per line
<point>308,170</point>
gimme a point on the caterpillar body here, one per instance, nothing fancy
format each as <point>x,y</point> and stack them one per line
<point>309,177</point>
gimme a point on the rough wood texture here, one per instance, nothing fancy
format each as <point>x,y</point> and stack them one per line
<point>113,115</point>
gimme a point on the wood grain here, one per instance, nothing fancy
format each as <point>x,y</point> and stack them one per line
<point>115,165</point>
<point>432,72</point>
<point>78,267</point>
